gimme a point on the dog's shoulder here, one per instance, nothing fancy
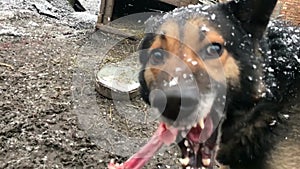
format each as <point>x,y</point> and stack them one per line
<point>282,60</point>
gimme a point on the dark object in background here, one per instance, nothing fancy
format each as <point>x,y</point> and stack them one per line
<point>77,6</point>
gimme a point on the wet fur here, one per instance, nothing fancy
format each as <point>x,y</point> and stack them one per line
<point>248,140</point>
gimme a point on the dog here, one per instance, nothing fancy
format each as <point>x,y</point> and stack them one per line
<point>224,91</point>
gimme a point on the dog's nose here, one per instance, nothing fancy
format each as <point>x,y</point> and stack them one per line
<point>175,103</point>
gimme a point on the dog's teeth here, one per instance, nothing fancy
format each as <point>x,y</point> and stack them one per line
<point>188,167</point>
<point>206,161</point>
<point>195,125</point>
<point>167,125</point>
<point>201,123</point>
<point>186,143</point>
<point>183,134</point>
<point>112,160</point>
<point>184,161</point>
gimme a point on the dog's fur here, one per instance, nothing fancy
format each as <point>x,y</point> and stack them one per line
<point>262,111</point>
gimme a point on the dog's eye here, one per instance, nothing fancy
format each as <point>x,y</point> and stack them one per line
<point>213,51</point>
<point>157,56</point>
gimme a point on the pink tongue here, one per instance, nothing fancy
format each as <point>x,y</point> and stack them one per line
<point>167,134</point>
<point>163,135</point>
<point>197,135</point>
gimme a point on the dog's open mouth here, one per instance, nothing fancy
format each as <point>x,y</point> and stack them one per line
<point>195,134</point>
<point>195,131</point>
<point>198,144</point>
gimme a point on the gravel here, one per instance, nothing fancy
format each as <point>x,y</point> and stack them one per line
<point>50,114</point>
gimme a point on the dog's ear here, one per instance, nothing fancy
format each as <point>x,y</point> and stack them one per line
<point>254,15</point>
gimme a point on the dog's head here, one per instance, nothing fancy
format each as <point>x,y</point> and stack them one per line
<point>196,61</point>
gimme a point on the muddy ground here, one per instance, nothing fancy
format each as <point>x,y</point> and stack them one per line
<point>50,114</point>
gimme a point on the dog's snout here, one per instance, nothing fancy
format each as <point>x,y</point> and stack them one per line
<point>175,103</point>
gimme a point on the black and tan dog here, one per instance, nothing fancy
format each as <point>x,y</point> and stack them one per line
<point>224,97</point>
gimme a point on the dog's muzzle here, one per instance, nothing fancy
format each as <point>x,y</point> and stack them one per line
<point>175,103</point>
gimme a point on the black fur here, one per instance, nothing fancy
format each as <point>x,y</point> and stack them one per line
<point>254,120</point>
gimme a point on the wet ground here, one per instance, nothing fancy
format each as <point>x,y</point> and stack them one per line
<point>50,114</point>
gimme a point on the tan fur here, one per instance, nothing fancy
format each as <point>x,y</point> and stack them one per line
<point>225,68</point>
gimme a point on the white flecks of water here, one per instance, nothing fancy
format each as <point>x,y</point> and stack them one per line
<point>165,83</point>
<point>173,82</point>
<point>204,8</point>
<point>281,59</point>
<point>250,78</point>
<point>232,33</point>
<point>191,76</point>
<point>204,28</point>
<point>178,69</point>
<point>213,16</point>
<point>270,69</point>
<point>273,123</point>
<point>194,63</point>
<point>184,76</point>
<point>190,6</point>
<point>254,66</point>
<point>189,60</point>
<point>297,58</point>
<point>286,116</point>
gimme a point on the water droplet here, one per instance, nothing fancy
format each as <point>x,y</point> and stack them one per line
<point>286,116</point>
<point>273,123</point>
<point>213,16</point>
<point>178,69</point>
<point>173,82</point>
<point>204,28</point>
<point>270,69</point>
<point>194,63</point>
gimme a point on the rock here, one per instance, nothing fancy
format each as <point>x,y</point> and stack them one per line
<point>6,15</point>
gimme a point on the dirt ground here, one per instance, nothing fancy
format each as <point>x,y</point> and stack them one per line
<point>50,114</point>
